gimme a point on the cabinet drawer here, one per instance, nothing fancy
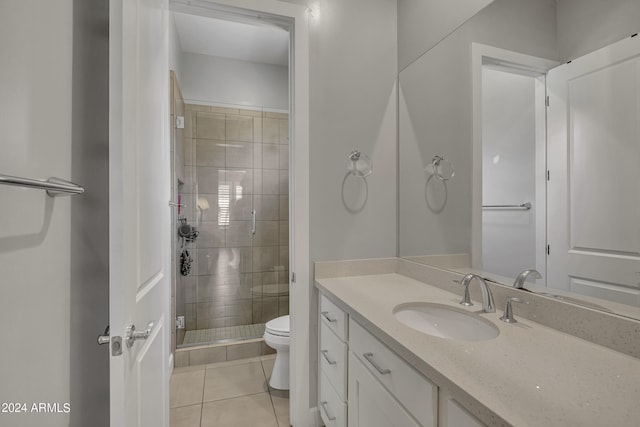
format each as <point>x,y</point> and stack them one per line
<point>333,317</point>
<point>333,360</point>
<point>332,409</point>
<point>412,390</point>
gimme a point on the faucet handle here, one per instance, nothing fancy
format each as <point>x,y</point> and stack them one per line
<point>508,310</point>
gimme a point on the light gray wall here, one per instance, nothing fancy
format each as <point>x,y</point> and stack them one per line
<point>424,23</point>
<point>353,70</point>
<point>353,53</point>
<point>211,79</point>
<point>587,25</point>
<point>175,53</point>
<point>35,230</point>
<point>435,119</point>
<point>54,252</point>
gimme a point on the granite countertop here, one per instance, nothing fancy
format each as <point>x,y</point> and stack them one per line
<point>530,375</point>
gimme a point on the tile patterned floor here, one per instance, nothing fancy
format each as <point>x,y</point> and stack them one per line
<point>228,394</point>
<point>231,333</point>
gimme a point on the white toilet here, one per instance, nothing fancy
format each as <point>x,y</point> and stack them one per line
<point>276,336</point>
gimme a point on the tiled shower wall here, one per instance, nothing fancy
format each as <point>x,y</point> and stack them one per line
<point>236,160</point>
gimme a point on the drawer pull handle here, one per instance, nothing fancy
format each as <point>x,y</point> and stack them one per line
<point>324,408</point>
<point>325,314</point>
<point>369,357</point>
<point>325,353</point>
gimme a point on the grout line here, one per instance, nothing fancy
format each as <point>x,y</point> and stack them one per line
<point>204,382</point>
<point>273,406</point>
<point>237,397</point>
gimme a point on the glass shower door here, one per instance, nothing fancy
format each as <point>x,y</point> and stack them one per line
<point>239,205</point>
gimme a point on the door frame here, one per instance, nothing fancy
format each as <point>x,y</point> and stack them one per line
<point>480,54</point>
<point>297,20</point>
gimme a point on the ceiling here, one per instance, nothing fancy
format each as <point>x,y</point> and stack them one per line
<point>248,42</point>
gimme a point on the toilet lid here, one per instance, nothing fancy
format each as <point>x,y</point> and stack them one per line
<point>278,326</point>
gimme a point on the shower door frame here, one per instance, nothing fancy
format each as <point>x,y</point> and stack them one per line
<point>296,18</point>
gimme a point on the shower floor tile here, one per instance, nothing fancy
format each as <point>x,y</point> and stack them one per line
<point>230,333</point>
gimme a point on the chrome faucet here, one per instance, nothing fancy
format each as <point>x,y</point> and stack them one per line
<point>488,305</point>
<point>519,283</point>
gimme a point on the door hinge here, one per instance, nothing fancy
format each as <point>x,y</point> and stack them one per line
<point>293,277</point>
<point>548,249</point>
<point>547,100</point>
<point>180,322</point>
<point>179,122</point>
<point>548,175</point>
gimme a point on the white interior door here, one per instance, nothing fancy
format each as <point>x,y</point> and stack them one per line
<point>594,182</point>
<point>139,211</point>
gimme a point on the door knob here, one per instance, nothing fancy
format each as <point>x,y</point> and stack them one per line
<point>131,335</point>
<point>104,338</point>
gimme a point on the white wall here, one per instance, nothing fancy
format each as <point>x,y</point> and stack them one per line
<point>587,25</point>
<point>353,53</point>
<point>508,171</point>
<point>353,70</point>
<point>211,79</point>
<point>427,22</point>
<point>435,119</point>
<point>175,53</point>
<point>35,230</point>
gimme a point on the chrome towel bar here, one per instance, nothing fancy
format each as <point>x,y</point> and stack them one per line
<point>53,186</point>
<point>524,206</point>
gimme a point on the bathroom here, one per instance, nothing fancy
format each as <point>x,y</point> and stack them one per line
<point>357,52</point>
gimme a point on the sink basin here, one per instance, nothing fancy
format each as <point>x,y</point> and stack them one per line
<point>445,321</point>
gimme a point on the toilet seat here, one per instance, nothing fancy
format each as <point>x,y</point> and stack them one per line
<point>278,326</point>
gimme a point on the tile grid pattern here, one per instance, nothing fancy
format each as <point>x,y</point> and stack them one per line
<point>214,335</point>
<point>235,161</point>
<point>229,394</point>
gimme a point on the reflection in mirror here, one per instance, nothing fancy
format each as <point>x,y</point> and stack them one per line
<point>580,229</point>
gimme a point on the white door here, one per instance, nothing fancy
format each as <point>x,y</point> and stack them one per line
<point>139,211</point>
<point>594,174</point>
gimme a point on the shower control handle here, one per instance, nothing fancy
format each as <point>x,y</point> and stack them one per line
<point>253,221</point>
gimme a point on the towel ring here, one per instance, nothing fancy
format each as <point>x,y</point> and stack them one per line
<point>359,164</point>
<point>441,168</point>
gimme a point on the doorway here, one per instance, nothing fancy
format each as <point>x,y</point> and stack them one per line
<point>230,178</point>
<point>284,16</point>
<point>513,165</point>
<point>509,158</point>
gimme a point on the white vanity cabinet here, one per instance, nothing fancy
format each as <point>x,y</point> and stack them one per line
<point>333,364</point>
<point>363,383</point>
<point>404,384</point>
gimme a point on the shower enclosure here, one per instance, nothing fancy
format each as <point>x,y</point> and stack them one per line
<point>230,182</point>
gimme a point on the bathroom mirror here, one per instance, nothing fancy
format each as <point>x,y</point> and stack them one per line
<point>442,113</point>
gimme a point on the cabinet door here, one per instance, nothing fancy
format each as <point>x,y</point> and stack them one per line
<point>370,405</point>
<point>453,415</point>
